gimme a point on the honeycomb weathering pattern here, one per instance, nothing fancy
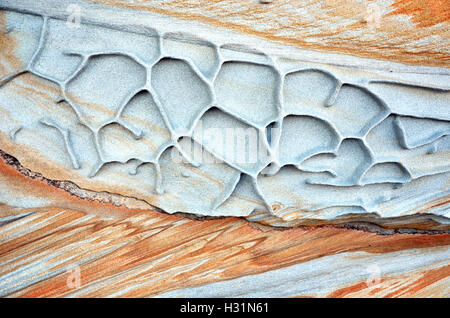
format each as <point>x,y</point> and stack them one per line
<point>335,143</point>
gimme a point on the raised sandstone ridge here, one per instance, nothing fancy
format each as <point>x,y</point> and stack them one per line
<point>123,104</point>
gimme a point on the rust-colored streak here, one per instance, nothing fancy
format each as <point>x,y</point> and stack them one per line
<point>142,252</point>
<point>38,189</point>
<point>425,13</point>
<point>8,46</point>
<point>207,251</point>
<point>346,291</point>
<point>425,280</point>
<point>426,283</point>
<point>327,25</point>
